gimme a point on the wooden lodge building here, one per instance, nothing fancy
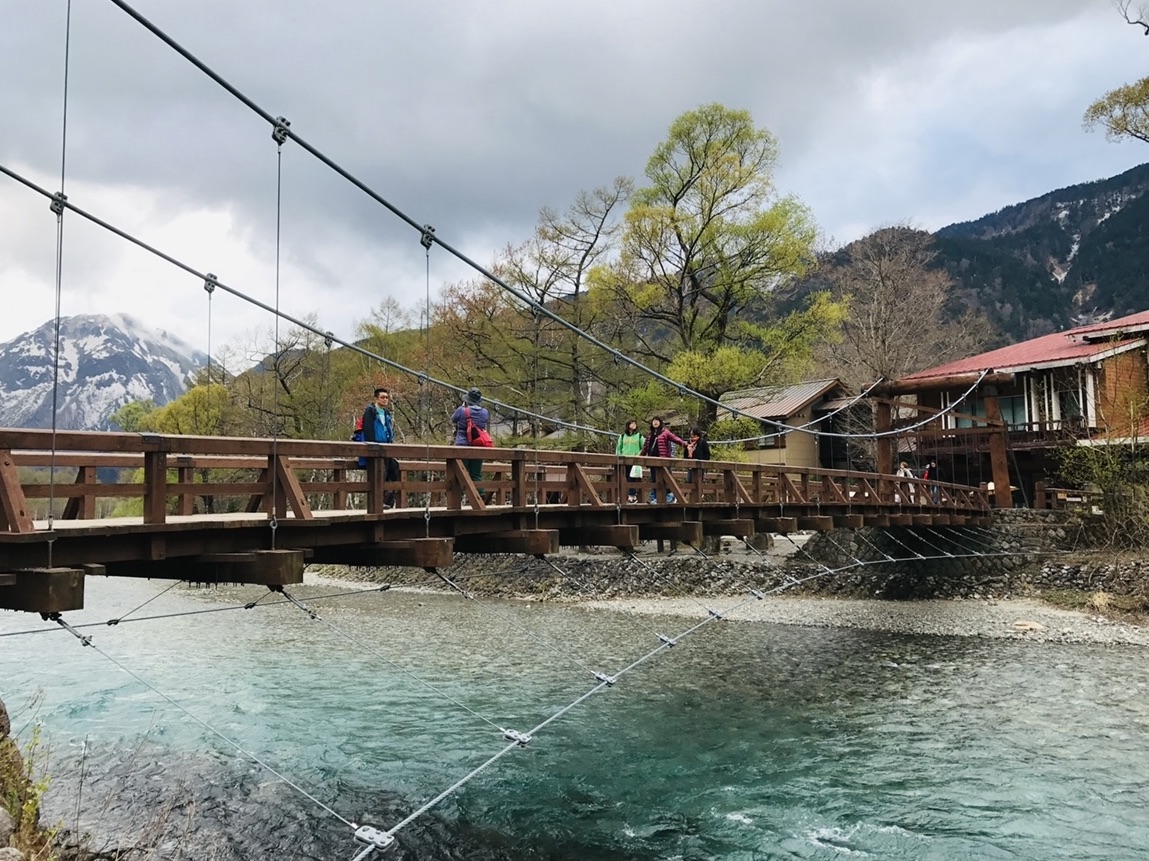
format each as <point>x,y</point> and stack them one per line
<point>1087,385</point>
<point>798,405</point>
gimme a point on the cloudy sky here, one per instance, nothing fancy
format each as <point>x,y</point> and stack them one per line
<point>472,116</point>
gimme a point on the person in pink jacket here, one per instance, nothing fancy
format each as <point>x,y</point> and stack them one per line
<point>660,442</point>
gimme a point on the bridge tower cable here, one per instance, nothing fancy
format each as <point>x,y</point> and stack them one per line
<point>57,208</point>
<point>424,393</point>
<point>279,135</point>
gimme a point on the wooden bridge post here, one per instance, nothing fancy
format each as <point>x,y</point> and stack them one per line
<point>519,480</point>
<point>13,504</point>
<point>155,486</point>
<point>185,499</point>
<point>376,475</point>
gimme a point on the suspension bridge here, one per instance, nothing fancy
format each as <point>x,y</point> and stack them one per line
<point>218,509</point>
<point>232,510</point>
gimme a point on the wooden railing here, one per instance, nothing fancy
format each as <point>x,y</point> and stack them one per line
<point>179,476</point>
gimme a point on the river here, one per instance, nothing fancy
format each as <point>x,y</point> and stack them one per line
<point>746,741</point>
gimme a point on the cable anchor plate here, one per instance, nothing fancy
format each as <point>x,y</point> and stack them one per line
<point>369,835</point>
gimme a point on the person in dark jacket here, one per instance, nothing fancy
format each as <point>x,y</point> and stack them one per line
<point>660,442</point>
<point>479,415</point>
<point>697,448</point>
<point>379,426</point>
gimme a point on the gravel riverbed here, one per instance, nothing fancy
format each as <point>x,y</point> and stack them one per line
<point>1014,618</point>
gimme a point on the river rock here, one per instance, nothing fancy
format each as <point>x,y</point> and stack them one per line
<point>7,826</point>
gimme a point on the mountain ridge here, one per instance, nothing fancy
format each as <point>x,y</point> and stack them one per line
<point>105,362</point>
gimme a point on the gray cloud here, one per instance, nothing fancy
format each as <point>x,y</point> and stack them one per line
<point>473,116</point>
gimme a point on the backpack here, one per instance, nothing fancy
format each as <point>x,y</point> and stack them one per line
<point>476,436</point>
<point>357,434</point>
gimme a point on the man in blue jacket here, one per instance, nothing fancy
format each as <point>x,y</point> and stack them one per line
<point>379,426</point>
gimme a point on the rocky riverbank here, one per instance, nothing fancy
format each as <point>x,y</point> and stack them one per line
<point>959,583</point>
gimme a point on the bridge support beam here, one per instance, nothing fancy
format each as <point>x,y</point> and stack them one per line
<point>43,590</point>
<point>416,553</point>
<point>688,532</point>
<point>816,524</point>
<point>780,525</point>
<point>738,528</point>
<point>624,537</point>
<point>849,521</point>
<point>258,567</point>
<point>532,542</point>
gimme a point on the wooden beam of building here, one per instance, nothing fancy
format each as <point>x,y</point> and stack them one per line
<point>998,455</point>
<point>935,384</point>
<point>687,531</point>
<point>624,536</point>
<point>257,567</point>
<point>44,590</point>
<point>416,553</point>
<point>532,542</point>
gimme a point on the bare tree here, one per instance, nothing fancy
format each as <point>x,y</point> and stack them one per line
<point>901,309</point>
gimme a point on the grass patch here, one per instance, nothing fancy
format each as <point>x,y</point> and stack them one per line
<point>1124,607</point>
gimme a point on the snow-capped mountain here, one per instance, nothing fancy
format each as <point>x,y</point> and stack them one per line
<point>106,361</point>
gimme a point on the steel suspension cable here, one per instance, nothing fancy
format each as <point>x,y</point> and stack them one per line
<point>87,641</point>
<point>58,208</point>
<point>536,306</point>
<point>215,282</point>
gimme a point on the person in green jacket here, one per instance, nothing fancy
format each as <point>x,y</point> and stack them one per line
<point>629,445</point>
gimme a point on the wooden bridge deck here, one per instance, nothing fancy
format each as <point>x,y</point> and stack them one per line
<point>256,510</point>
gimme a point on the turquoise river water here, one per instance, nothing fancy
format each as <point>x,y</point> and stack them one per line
<point>745,741</point>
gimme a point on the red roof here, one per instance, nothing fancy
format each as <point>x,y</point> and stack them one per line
<point>1085,343</point>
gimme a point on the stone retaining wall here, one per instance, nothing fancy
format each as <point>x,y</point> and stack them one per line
<point>1023,552</point>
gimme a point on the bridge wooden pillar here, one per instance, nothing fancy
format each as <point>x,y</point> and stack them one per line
<point>155,486</point>
<point>14,516</point>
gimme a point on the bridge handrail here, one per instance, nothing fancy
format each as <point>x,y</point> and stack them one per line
<point>183,472</point>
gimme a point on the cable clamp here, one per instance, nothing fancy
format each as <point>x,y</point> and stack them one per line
<point>328,339</point>
<point>57,205</point>
<point>757,594</point>
<point>59,620</point>
<point>519,738</point>
<point>428,237</point>
<point>209,283</point>
<point>609,680</point>
<point>714,613</point>
<point>280,132</point>
<point>670,641</point>
<point>422,378</point>
<point>369,835</point>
